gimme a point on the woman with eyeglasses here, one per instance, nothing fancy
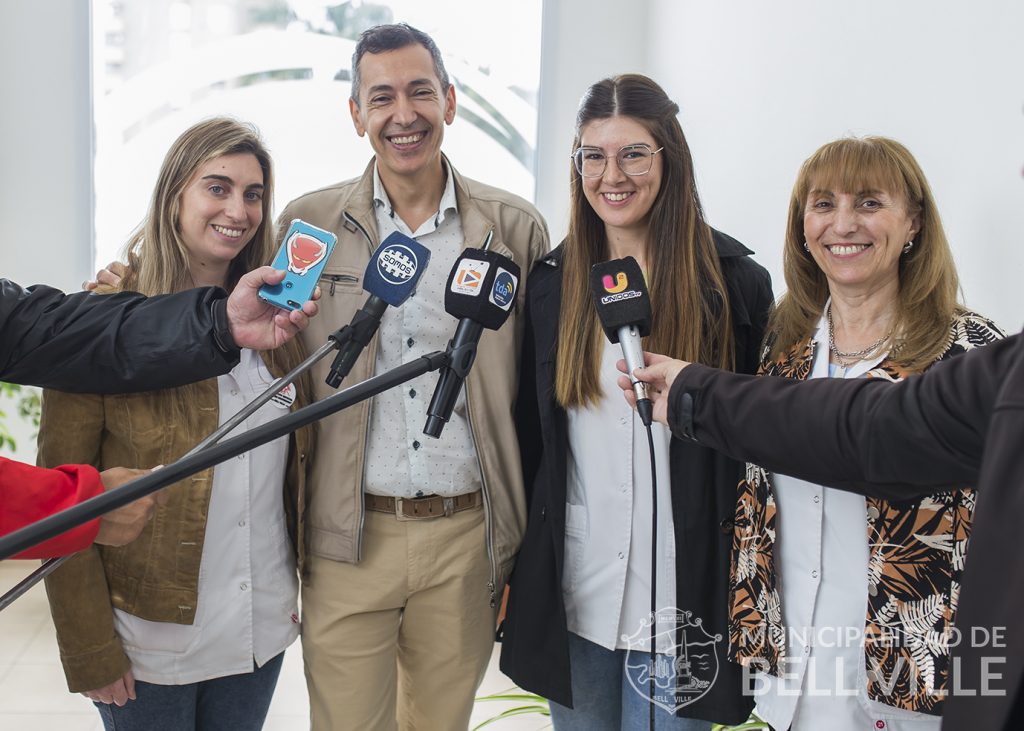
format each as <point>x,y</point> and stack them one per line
<point>578,617</point>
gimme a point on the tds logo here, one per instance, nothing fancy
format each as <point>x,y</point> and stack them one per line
<point>614,286</point>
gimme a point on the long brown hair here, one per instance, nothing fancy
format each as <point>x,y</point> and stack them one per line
<point>928,281</point>
<point>688,293</point>
<point>158,261</point>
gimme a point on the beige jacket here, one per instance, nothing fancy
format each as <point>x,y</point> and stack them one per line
<point>334,517</point>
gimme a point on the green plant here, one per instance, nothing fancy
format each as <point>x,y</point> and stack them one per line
<point>533,704</point>
<point>751,724</point>
<point>29,406</point>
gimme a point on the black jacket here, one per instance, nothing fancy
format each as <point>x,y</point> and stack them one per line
<point>112,343</point>
<point>961,423</point>
<point>535,639</point>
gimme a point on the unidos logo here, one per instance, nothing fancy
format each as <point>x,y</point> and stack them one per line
<point>397,264</point>
<point>614,285</point>
<point>470,276</point>
<point>619,296</point>
<point>503,293</point>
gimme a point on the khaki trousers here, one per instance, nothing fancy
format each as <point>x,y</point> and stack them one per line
<point>402,639</point>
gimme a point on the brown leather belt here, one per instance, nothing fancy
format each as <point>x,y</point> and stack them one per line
<point>422,508</point>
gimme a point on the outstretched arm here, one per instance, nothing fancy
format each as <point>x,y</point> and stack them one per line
<point>895,441</point>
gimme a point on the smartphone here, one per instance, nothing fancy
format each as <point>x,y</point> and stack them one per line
<point>303,254</point>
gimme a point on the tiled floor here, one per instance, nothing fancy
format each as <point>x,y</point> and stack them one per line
<point>33,696</point>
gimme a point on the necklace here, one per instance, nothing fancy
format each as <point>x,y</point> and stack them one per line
<point>846,359</point>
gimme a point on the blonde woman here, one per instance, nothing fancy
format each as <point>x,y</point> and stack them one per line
<point>186,627</point>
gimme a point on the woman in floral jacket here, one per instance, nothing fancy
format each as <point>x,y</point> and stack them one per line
<point>844,606</point>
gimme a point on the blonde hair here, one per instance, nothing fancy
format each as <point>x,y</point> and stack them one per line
<point>687,289</point>
<point>158,261</point>
<point>928,281</point>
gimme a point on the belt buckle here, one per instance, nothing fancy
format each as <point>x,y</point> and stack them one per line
<point>447,503</point>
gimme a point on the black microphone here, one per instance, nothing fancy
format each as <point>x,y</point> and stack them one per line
<point>480,293</point>
<point>390,278</point>
<point>624,308</point>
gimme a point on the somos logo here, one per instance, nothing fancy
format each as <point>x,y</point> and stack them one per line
<point>397,264</point>
<point>611,286</point>
<point>503,294</point>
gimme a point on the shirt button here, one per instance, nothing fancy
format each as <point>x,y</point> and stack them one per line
<point>241,523</point>
<point>243,586</point>
<point>412,393</point>
<point>410,342</point>
<point>621,555</point>
<point>814,574</point>
<point>415,445</point>
<point>817,499</point>
<point>879,724</point>
<point>234,392</point>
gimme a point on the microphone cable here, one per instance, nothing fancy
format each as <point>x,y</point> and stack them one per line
<point>654,575</point>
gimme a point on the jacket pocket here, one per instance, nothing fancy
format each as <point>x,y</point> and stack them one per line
<point>341,280</point>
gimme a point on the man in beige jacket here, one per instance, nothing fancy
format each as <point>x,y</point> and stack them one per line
<point>399,609</point>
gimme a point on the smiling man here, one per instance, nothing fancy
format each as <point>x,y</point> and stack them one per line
<point>399,609</point>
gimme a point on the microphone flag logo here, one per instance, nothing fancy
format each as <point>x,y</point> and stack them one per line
<point>304,252</point>
<point>503,293</point>
<point>397,264</point>
<point>617,285</point>
<point>470,276</point>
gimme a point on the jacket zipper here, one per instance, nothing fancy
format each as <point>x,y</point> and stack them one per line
<point>488,514</point>
<point>371,353</point>
<point>335,278</point>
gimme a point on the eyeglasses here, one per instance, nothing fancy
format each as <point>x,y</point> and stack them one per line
<point>632,160</point>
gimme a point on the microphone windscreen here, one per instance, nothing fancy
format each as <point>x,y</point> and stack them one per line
<point>482,287</point>
<point>620,296</point>
<point>395,268</point>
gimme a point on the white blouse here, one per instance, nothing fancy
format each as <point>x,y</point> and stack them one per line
<point>606,579</point>
<point>821,554</point>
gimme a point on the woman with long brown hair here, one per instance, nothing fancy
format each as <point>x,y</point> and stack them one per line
<point>186,627</point>
<point>578,613</point>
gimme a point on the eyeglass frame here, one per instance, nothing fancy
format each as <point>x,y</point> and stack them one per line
<point>579,165</point>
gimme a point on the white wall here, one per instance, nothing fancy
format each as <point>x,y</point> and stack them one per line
<point>763,84</point>
<point>45,142</point>
<point>581,43</point>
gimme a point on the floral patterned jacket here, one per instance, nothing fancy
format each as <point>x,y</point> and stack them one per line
<point>916,557</point>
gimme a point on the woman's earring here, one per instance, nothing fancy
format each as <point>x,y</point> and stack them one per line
<point>807,247</point>
<point>908,246</point>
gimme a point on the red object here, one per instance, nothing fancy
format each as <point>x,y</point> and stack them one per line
<point>28,494</point>
<point>304,252</point>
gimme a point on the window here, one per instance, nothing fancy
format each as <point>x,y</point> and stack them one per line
<point>283,65</point>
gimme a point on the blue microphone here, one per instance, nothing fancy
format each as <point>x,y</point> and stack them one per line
<point>390,278</point>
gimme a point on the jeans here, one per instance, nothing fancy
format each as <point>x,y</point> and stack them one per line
<point>604,698</point>
<point>232,703</point>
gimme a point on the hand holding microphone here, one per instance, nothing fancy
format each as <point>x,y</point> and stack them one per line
<point>624,309</point>
<point>481,290</point>
<point>390,278</point>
